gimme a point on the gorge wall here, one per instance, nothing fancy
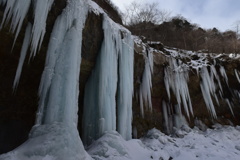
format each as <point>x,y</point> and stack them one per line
<point>169,84</point>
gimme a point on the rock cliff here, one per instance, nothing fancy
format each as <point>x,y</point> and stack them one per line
<point>18,107</point>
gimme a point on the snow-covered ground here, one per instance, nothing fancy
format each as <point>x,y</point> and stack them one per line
<point>219,143</point>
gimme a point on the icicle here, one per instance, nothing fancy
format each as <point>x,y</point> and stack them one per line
<point>100,90</point>
<point>125,87</point>
<point>23,54</point>
<point>146,85</point>
<point>16,11</point>
<point>230,106</point>
<point>208,88</point>
<point>214,74</point>
<point>166,82</point>
<point>223,73</point>
<point>3,2</point>
<point>165,116</point>
<point>176,78</point>
<point>237,75</point>
<point>41,9</point>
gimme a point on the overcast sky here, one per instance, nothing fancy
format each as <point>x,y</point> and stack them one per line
<point>221,14</point>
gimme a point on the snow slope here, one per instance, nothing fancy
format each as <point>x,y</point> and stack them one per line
<point>219,143</point>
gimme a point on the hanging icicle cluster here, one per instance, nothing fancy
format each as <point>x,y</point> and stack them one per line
<point>176,79</point>
<point>16,11</point>
<point>145,88</point>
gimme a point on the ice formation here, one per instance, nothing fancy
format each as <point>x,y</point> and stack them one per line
<point>145,88</point>
<point>101,89</point>
<point>55,133</point>
<point>15,11</point>
<point>237,75</point>
<point>176,79</point>
<point>109,90</point>
<point>41,9</point>
<point>23,54</point>
<point>125,93</point>
<point>146,85</point>
<point>208,89</point>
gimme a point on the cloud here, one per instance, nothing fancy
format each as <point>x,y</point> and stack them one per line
<point>207,13</point>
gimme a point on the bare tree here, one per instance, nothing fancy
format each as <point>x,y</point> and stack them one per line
<point>137,13</point>
<point>236,27</point>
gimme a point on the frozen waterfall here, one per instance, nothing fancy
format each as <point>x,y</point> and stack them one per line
<point>109,89</point>
<point>55,134</point>
<point>112,76</point>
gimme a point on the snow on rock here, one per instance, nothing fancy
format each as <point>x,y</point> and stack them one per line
<point>219,143</point>
<point>50,142</point>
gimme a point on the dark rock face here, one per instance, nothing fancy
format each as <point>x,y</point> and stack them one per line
<point>17,108</point>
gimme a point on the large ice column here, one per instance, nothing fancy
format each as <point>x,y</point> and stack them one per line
<point>176,79</point>
<point>59,84</point>
<point>125,87</point>
<point>99,100</point>
<point>100,91</point>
